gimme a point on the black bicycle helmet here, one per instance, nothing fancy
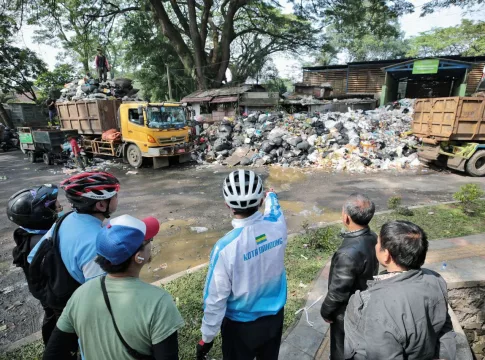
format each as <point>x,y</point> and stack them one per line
<point>86,189</point>
<point>35,208</point>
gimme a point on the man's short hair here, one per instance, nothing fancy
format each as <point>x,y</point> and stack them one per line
<point>406,242</point>
<point>360,208</point>
<point>110,268</point>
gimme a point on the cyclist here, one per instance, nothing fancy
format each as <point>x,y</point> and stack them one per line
<point>34,210</point>
<point>245,289</point>
<point>93,196</point>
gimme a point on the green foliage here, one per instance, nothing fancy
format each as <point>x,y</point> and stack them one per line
<point>326,239</point>
<point>394,202</point>
<point>467,39</point>
<point>18,66</point>
<point>435,5</point>
<point>468,196</point>
<point>53,81</point>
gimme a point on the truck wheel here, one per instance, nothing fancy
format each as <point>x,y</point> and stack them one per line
<point>31,156</point>
<point>133,155</point>
<point>475,166</point>
<point>47,159</point>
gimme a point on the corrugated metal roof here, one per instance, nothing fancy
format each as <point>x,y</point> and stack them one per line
<point>224,91</point>
<point>195,99</point>
<point>225,99</point>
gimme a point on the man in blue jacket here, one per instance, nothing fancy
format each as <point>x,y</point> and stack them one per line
<point>245,289</point>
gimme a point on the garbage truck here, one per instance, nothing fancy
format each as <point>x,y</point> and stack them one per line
<point>452,130</point>
<point>137,130</point>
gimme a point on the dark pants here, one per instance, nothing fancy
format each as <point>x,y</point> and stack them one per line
<point>337,336</point>
<point>102,74</point>
<point>49,323</point>
<point>258,339</point>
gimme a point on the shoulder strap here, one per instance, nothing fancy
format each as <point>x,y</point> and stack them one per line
<point>128,348</point>
<point>54,236</point>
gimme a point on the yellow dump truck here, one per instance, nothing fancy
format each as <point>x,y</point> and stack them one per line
<point>452,130</point>
<point>148,130</point>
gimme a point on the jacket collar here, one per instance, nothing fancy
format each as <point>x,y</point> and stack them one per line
<point>394,279</point>
<point>354,234</point>
<point>239,223</point>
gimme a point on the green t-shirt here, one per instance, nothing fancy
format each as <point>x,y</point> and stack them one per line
<point>145,315</point>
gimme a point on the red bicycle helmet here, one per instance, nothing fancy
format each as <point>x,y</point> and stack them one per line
<point>86,189</point>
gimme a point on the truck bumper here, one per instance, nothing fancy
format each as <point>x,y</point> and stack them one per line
<point>167,151</point>
<point>428,153</point>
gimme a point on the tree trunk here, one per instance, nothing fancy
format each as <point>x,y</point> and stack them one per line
<point>85,65</point>
<point>5,118</point>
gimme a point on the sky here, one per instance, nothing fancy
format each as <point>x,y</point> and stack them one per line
<point>287,64</point>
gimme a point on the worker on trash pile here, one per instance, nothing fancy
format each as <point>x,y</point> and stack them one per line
<point>94,197</point>
<point>102,66</point>
<point>51,107</point>
<point>34,210</point>
<point>75,151</point>
<point>403,314</point>
<point>118,316</point>
<point>353,264</point>
<point>245,290</point>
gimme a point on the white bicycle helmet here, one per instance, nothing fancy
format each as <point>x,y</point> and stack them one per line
<point>243,189</point>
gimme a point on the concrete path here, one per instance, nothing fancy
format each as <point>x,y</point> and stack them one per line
<point>464,258</point>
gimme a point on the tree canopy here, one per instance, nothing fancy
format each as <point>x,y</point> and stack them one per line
<point>467,39</point>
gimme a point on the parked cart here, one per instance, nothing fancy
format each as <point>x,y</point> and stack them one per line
<point>45,143</point>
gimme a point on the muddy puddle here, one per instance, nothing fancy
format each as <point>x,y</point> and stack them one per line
<point>282,179</point>
<point>180,245</point>
<point>298,212</point>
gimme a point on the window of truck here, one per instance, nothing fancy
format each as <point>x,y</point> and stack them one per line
<point>134,117</point>
<point>161,117</point>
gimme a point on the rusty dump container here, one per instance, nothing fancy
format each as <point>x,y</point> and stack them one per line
<point>89,117</point>
<point>451,118</point>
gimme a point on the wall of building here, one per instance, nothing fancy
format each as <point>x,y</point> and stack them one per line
<point>474,77</point>
<point>335,77</point>
<point>468,304</point>
<point>365,80</point>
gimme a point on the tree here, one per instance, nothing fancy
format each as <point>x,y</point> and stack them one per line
<point>53,81</point>
<point>70,25</point>
<point>205,33</point>
<point>434,5</point>
<point>367,47</point>
<point>19,66</point>
<point>466,39</point>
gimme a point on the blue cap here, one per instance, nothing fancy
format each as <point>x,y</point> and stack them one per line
<point>122,237</point>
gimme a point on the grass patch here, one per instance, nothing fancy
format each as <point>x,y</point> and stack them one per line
<point>303,263</point>
<point>447,221</point>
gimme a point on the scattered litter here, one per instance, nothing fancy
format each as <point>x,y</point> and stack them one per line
<point>3,327</point>
<point>131,172</point>
<point>305,310</point>
<point>302,285</point>
<point>355,141</point>
<point>3,178</point>
<point>199,229</point>
<point>431,213</point>
<point>303,256</point>
<point>161,267</point>
<point>7,290</point>
<point>15,305</point>
<point>305,246</point>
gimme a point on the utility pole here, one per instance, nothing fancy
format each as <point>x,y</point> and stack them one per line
<point>169,84</point>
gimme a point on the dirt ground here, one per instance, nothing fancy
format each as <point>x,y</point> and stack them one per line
<point>186,199</point>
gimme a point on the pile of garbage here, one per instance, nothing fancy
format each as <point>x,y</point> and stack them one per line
<point>89,89</point>
<point>354,141</point>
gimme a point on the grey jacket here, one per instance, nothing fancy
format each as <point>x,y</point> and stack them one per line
<point>401,317</point>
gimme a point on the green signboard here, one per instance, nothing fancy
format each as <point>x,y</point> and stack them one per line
<point>26,138</point>
<point>426,66</point>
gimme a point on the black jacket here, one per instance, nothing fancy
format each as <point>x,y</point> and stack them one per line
<point>353,264</point>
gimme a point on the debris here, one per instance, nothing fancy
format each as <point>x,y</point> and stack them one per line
<point>355,141</point>
<point>199,229</point>
<point>303,256</point>
<point>302,285</point>
<point>14,305</point>
<point>3,178</point>
<point>131,172</point>
<point>161,267</point>
<point>7,290</point>
<point>431,213</point>
<point>86,89</point>
<point>3,327</point>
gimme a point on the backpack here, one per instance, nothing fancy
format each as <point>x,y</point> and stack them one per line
<point>50,281</point>
<point>24,242</point>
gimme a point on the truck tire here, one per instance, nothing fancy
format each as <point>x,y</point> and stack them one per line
<point>31,156</point>
<point>47,159</point>
<point>133,154</point>
<point>475,166</point>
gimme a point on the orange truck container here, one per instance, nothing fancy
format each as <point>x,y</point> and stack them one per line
<point>452,130</point>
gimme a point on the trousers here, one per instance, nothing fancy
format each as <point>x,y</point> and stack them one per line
<point>258,339</point>
<point>102,74</point>
<point>337,336</point>
<point>49,323</point>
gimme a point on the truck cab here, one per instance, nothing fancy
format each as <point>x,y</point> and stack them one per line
<point>156,130</point>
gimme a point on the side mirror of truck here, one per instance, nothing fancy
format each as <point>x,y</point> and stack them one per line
<point>141,120</point>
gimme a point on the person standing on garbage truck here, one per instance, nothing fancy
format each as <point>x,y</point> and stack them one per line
<point>353,264</point>
<point>102,66</point>
<point>245,290</point>
<point>51,106</point>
